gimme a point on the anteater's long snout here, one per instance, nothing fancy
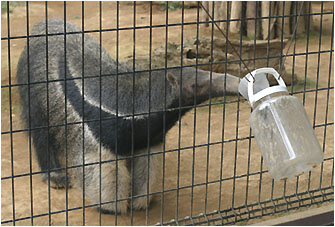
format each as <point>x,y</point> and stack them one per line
<point>207,84</point>
<point>222,82</point>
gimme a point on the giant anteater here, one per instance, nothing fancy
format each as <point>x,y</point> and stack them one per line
<point>86,108</point>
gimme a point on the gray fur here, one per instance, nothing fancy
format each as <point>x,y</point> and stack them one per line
<point>80,143</point>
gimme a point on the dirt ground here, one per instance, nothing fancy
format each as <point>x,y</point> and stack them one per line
<point>176,204</point>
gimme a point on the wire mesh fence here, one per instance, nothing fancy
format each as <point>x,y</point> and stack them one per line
<point>127,113</point>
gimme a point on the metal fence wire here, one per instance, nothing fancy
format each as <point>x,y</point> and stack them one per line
<point>120,113</point>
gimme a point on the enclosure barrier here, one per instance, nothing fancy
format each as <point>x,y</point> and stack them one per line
<point>212,172</point>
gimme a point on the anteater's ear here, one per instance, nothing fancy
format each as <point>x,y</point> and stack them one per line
<point>172,79</point>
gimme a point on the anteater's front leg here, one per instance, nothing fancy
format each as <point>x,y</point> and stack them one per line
<point>111,179</point>
<point>147,172</point>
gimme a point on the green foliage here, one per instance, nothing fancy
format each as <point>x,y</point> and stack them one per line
<point>237,36</point>
<point>253,38</point>
<point>302,38</point>
<point>300,84</point>
<point>5,107</point>
<point>4,8</point>
<point>12,4</point>
<point>174,5</point>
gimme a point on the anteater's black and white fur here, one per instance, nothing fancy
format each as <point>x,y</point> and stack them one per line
<point>64,136</point>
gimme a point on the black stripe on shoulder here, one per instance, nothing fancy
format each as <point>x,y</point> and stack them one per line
<point>124,125</point>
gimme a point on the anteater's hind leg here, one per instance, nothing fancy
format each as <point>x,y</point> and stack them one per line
<point>48,155</point>
<point>35,117</point>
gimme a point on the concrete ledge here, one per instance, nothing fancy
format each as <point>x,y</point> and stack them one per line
<point>297,216</point>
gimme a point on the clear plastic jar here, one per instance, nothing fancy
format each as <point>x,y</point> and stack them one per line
<point>281,126</point>
<point>284,135</point>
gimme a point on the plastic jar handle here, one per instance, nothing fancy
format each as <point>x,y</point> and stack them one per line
<point>255,97</point>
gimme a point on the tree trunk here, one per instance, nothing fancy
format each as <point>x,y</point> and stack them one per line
<point>265,22</point>
<point>268,10</point>
<point>204,15</point>
<point>217,12</point>
<point>222,14</point>
<point>251,12</point>
<point>271,26</point>
<point>236,11</point>
<point>283,25</point>
<point>301,26</point>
